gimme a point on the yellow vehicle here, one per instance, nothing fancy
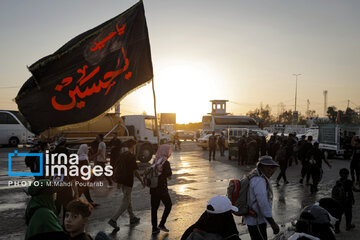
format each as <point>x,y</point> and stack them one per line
<point>87,133</point>
<point>204,141</point>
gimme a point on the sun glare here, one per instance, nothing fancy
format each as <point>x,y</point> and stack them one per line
<point>185,89</point>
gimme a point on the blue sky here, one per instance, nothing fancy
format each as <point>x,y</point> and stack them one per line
<point>243,51</point>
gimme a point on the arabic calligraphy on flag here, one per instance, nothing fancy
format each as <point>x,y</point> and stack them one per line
<point>89,74</point>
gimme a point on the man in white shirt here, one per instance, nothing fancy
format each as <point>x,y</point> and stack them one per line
<point>260,200</point>
<point>101,156</point>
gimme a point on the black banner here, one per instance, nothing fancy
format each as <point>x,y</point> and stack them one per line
<point>89,74</point>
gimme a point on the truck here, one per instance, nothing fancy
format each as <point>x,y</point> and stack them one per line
<point>143,129</point>
<point>335,139</point>
<point>139,127</point>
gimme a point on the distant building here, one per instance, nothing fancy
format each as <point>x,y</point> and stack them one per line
<point>219,120</point>
<point>218,107</point>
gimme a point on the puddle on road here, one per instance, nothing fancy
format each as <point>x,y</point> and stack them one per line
<point>183,193</point>
<point>182,171</point>
<point>11,206</point>
<point>184,198</point>
<point>182,180</point>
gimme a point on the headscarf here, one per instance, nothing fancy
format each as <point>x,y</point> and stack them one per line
<point>162,154</point>
<point>83,152</point>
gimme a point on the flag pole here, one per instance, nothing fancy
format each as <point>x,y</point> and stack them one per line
<point>156,123</point>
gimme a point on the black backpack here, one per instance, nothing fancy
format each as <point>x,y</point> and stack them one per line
<point>338,192</point>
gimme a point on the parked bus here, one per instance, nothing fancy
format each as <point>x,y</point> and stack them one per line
<point>221,123</point>
<point>12,129</point>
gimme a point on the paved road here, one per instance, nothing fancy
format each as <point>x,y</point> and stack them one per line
<point>195,180</point>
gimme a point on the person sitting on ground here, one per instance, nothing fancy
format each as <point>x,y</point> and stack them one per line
<point>76,218</point>
<point>40,214</point>
<point>216,221</point>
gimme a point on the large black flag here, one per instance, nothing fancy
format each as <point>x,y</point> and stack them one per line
<point>89,74</point>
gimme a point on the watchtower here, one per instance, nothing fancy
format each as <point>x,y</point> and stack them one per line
<point>218,107</point>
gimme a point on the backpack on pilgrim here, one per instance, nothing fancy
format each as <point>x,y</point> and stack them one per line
<point>151,176</point>
<point>338,192</point>
<point>237,192</point>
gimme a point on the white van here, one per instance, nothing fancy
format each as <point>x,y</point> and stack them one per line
<point>12,129</point>
<point>236,133</point>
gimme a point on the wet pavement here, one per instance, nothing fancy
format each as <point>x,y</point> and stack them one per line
<point>195,180</point>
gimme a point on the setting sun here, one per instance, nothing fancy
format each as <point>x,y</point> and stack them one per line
<point>185,88</point>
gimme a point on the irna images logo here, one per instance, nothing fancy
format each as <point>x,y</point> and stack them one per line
<point>60,164</point>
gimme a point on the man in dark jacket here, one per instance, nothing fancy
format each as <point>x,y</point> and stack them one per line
<point>212,145</point>
<point>242,151</point>
<point>281,158</point>
<point>304,153</point>
<point>315,166</point>
<point>345,197</point>
<point>222,144</point>
<point>355,162</point>
<point>125,170</point>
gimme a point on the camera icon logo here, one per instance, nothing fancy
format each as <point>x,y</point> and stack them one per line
<point>25,174</point>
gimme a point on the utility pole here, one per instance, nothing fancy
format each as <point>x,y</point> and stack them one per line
<point>296,77</point>
<point>295,113</point>
<point>325,102</point>
<point>307,108</point>
<point>348,104</point>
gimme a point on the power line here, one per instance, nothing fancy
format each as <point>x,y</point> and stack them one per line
<point>9,87</point>
<point>354,104</point>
